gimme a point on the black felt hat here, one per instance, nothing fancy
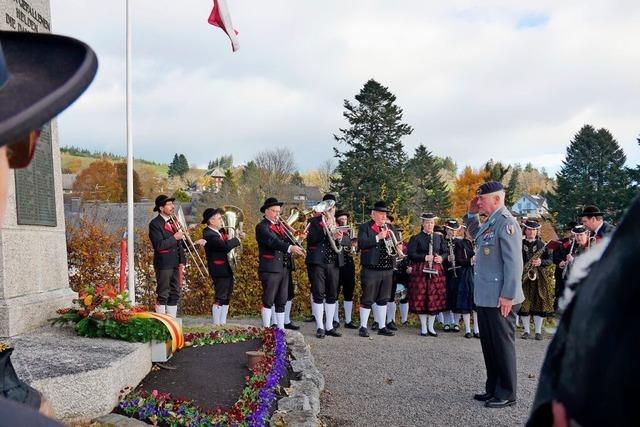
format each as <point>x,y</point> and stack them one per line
<point>489,187</point>
<point>570,225</point>
<point>428,215</point>
<point>161,200</point>
<point>328,196</point>
<point>452,224</point>
<point>271,201</point>
<point>342,213</point>
<point>534,225</point>
<point>590,210</point>
<point>208,213</point>
<point>380,206</point>
<point>579,229</point>
<point>40,75</point>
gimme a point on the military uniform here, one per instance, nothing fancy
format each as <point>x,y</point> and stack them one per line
<point>498,273</point>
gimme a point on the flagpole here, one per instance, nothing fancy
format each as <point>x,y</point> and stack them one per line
<point>130,229</point>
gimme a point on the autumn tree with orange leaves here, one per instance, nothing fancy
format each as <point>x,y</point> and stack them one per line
<point>465,189</point>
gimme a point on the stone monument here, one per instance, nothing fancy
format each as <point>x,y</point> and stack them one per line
<point>34,279</point>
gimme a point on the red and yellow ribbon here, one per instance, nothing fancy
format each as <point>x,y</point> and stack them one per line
<point>175,330</point>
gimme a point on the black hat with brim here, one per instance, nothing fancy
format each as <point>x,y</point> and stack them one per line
<point>208,213</point>
<point>579,229</point>
<point>452,224</point>
<point>40,76</point>
<point>590,211</point>
<point>271,201</point>
<point>428,216</point>
<point>340,213</point>
<point>570,225</point>
<point>380,206</point>
<point>161,200</point>
<point>534,225</point>
<point>328,196</point>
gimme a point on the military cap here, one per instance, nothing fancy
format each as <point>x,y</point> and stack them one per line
<point>489,188</point>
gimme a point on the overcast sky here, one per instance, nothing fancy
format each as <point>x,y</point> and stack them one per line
<point>512,81</point>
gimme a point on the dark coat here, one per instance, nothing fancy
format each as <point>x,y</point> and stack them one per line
<point>418,246</point>
<point>168,253</point>
<point>604,230</point>
<point>318,243</point>
<point>217,249</point>
<point>272,248</point>
<point>369,248</point>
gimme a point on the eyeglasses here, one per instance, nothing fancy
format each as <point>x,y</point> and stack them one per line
<point>20,153</point>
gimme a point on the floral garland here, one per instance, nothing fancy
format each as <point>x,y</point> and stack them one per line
<point>252,409</point>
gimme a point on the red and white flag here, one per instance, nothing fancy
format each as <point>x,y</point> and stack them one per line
<point>220,17</point>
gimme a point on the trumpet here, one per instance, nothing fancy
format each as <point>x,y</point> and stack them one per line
<point>391,244</point>
<point>181,224</point>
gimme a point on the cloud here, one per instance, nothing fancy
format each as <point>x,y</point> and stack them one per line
<point>503,80</point>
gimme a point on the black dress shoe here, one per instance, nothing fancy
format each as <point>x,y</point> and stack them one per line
<point>538,337</point>
<point>363,332</point>
<point>392,326</point>
<point>476,335</point>
<point>320,333</point>
<point>433,334</point>
<point>446,328</point>
<point>351,325</point>
<point>525,336</point>
<point>386,332</point>
<point>291,326</point>
<point>405,323</point>
<point>374,326</point>
<point>310,318</point>
<point>456,328</point>
<point>333,333</point>
<point>468,335</point>
<point>483,397</point>
<point>424,334</point>
<point>494,402</point>
<point>336,325</point>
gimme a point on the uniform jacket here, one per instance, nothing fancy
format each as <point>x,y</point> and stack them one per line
<point>418,246</point>
<point>168,253</point>
<point>318,243</point>
<point>217,248</point>
<point>369,248</point>
<point>605,229</point>
<point>273,247</point>
<point>498,269</point>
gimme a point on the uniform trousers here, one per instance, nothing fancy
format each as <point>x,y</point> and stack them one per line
<point>223,287</point>
<point>167,288</point>
<point>347,281</point>
<point>498,348</point>
<point>275,288</point>
<point>324,282</point>
<point>376,287</point>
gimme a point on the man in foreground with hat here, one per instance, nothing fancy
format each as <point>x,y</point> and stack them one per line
<point>40,76</point>
<point>168,255</point>
<point>377,268</point>
<point>217,247</point>
<point>275,250</point>
<point>497,290</point>
<point>592,218</point>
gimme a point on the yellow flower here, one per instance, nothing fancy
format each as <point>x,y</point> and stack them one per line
<point>88,300</point>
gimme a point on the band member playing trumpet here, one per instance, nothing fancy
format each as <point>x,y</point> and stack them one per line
<point>217,246</point>
<point>168,255</point>
<point>324,258</point>
<point>276,245</point>
<point>347,273</point>
<point>537,280</point>
<point>377,268</point>
<point>581,243</point>
<point>427,288</point>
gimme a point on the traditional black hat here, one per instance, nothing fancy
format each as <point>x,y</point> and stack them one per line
<point>569,226</point>
<point>271,201</point>
<point>208,213</point>
<point>579,229</point>
<point>328,196</point>
<point>590,210</point>
<point>40,75</point>
<point>428,215</point>
<point>342,213</point>
<point>534,225</point>
<point>380,206</point>
<point>161,200</point>
<point>489,187</point>
<point>390,218</point>
<point>452,224</point>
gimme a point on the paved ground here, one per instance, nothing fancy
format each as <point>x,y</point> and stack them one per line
<point>409,380</point>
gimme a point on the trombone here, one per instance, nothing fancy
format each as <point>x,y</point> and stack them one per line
<point>181,224</point>
<point>289,233</point>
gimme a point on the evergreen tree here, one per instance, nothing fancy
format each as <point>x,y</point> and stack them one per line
<point>371,165</point>
<point>223,162</point>
<point>429,189</point>
<point>183,167</point>
<point>513,189</point>
<point>593,172</point>
<point>496,171</point>
<point>174,166</point>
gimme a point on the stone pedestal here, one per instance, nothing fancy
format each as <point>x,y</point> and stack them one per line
<point>34,278</point>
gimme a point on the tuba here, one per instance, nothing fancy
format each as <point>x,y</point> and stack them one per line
<point>232,222</point>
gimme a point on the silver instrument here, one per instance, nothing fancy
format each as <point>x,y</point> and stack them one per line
<point>232,222</point>
<point>180,222</point>
<point>329,221</point>
<point>401,292</point>
<point>566,265</point>
<point>289,234</point>
<point>450,244</point>
<point>429,268</point>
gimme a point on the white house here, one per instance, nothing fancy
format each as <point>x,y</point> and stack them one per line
<point>530,205</point>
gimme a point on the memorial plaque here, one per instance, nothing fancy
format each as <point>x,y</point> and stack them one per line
<point>35,191</point>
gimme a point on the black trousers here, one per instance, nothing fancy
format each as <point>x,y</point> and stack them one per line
<point>275,288</point>
<point>222,287</point>
<point>324,282</point>
<point>167,289</point>
<point>376,287</point>
<point>291,289</point>
<point>347,281</point>
<point>497,338</point>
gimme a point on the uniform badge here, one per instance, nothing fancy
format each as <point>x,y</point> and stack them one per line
<point>510,229</point>
<point>486,250</point>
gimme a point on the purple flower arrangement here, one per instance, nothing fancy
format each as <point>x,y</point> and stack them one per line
<point>256,400</point>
